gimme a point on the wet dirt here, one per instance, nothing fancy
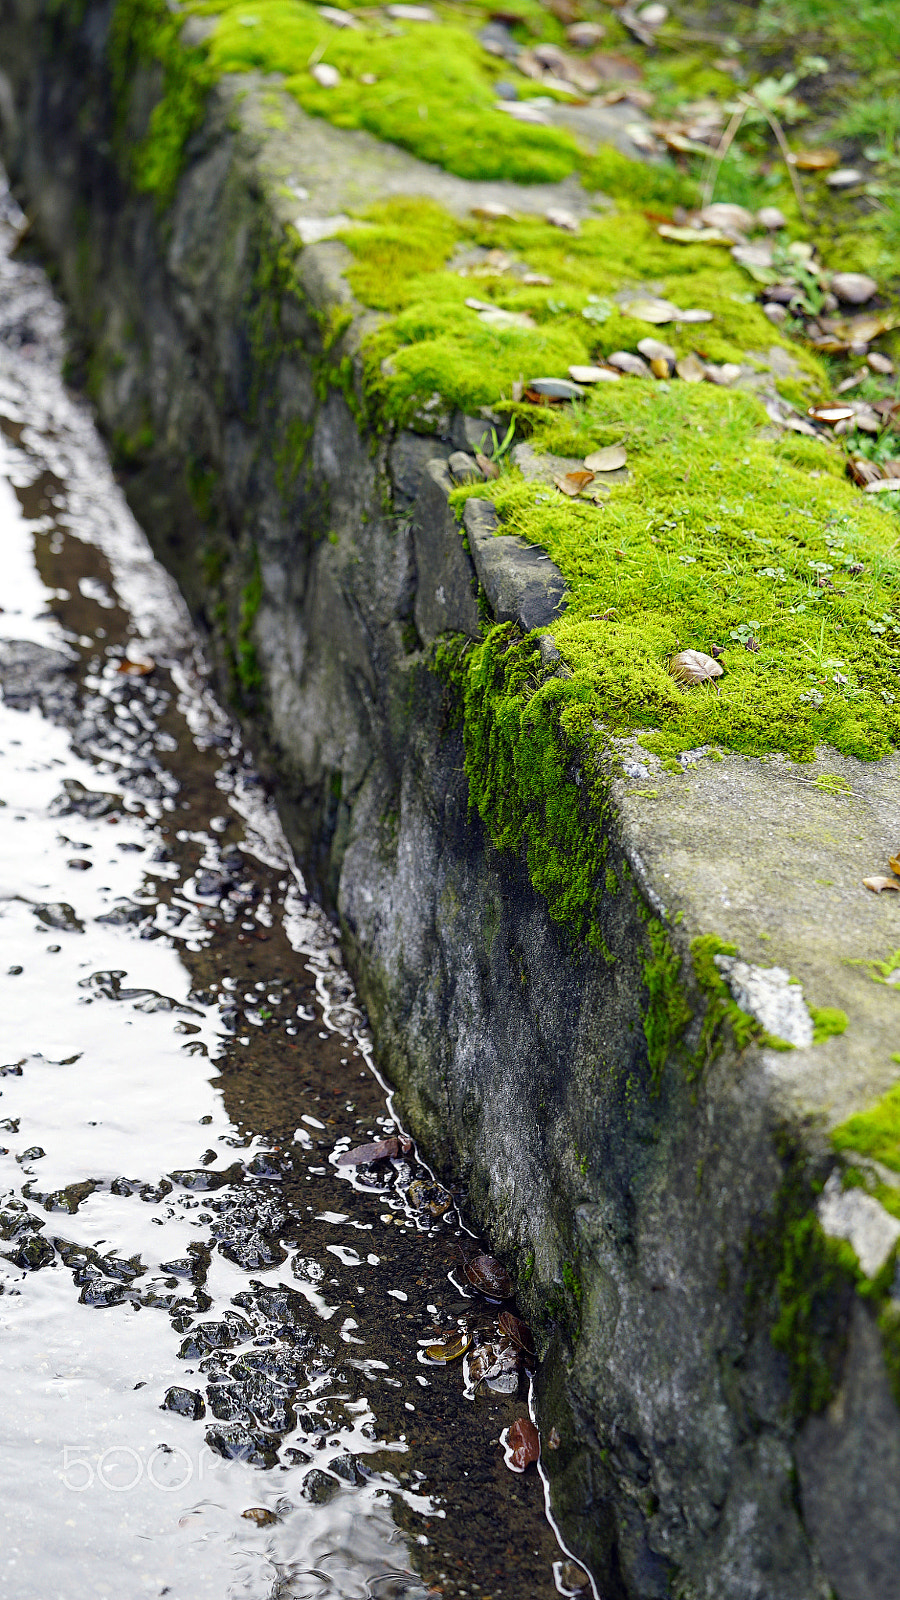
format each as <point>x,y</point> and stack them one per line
<point>213,1335</point>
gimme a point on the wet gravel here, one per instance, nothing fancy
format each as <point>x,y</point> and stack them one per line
<point>213,1333</point>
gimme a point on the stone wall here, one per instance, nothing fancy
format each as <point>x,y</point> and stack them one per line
<point>654,1210</point>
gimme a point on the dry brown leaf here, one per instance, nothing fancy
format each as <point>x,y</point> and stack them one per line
<point>522,1445</point>
<point>691,369</point>
<point>894,863</point>
<point>694,666</point>
<point>488,467</point>
<point>381,1150</point>
<point>879,883</point>
<point>862,472</point>
<point>136,669</point>
<point>659,366</point>
<point>572,483</point>
<point>816,160</point>
<point>609,459</point>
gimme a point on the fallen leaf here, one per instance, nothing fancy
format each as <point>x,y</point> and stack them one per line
<point>692,235</point>
<point>381,1150</point>
<point>894,863</point>
<point>724,214</point>
<point>659,366</point>
<point>830,414</point>
<point>609,459</point>
<point>572,483</point>
<point>815,160</point>
<point>554,1441</point>
<point>862,472</point>
<point>878,884</point>
<point>454,1346</point>
<point>136,669</point>
<point>488,467</point>
<point>521,1445</point>
<point>694,666</point>
<point>691,369</point>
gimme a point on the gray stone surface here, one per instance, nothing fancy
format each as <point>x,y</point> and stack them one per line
<point>642,1216</point>
<point>445,588</point>
<point>520,581</point>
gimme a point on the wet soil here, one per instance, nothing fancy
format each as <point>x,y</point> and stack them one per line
<point>213,1334</point>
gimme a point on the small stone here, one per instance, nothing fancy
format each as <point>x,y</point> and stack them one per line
<point>770,218</point>
<point>338,19</point>
<point>403,13</point>
<point>327,77</point>
<point>732,218</point>
<point>878,363</point>
<point>655,350</point>
<point>725,375</point>
<point>367,78</point>
<point>555,388</point>
<point>775,313</point>
<point>585,35</point>
<point>753,255</point>
<point>626,362</point>
<point>845,178</point>
<point>491,211</point>
<point>524,111</point>
<point>854,288</point>
<point>506,91</point>
<point>184,1402</point>
<point>593,375</point>
<point>653,15</point>
<point>463,467</point>
<point>558,217</point>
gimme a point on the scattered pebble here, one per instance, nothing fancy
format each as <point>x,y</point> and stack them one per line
<point>403,13</point>
<point>854,288</point>
<point>593,375</point>
<point>845,178</point>
<point>880,363</point>
<point>635,366</point>
<point>558,217</point>
<point>555,388</point>
<point>721,214</point>
<point>770,218</point>
<point>655,350</point>
<point>653,15</point>
<point>338,19</point>
<point>584,35</point>
<point>326,76</point>
<point>776,314</point>
<point>524,111</point>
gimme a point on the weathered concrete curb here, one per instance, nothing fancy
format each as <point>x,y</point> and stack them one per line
<point>655,1211</point>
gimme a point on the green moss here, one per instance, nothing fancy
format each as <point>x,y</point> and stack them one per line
<point>144,33</point>
<point>814,1276</point>
<point>612,882</point>
<point>721,1011</point>
<point>875,1132</point>
<point>201,485</point>
<point>827,1021</point>
<point>523,737</point>
<point>668,1012</point>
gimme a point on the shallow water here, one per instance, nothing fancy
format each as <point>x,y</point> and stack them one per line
<point>212,1336</point>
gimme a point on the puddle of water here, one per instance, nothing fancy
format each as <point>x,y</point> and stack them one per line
<point>213,1331</point>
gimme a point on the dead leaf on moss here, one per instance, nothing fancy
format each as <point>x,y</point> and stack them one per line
<point>382,1150</point>
<point>878,884</point>
<point>830,414</point>
<point>609,459</point>
<point>649,308</point>
<point>862,472</point>
<point>694,666</point>
<point>572,483</point>
<point>816,160</point>
<point>692,235</point>
<point>488,467</point>
<point>691,369</point>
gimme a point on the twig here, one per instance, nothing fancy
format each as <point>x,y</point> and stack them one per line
<point>717,156</point>
<point>785,149</point>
